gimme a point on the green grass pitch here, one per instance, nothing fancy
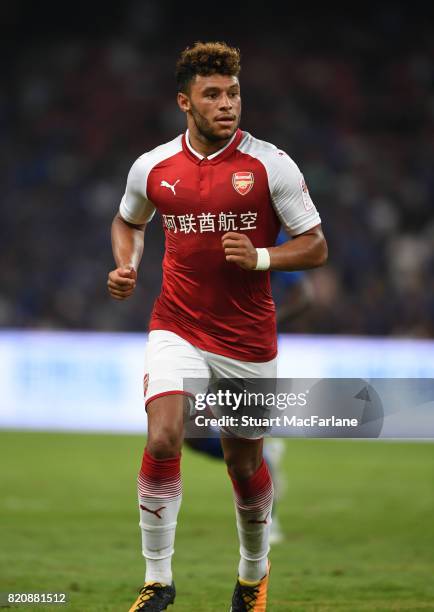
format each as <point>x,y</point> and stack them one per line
<point>358,518</point>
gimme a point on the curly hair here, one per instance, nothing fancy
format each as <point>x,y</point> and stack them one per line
<point>206,59</point>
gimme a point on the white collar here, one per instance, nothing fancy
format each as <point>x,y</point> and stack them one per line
<point>187,140</point>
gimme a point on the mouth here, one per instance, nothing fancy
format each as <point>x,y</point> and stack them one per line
<point>225,121</point>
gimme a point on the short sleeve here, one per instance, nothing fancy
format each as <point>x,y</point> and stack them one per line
<point>135,206</point>
<point>290,195</point>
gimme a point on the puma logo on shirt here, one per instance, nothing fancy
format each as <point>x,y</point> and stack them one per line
<point>169,186</point>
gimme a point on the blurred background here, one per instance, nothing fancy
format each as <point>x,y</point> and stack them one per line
<point>90,87</point>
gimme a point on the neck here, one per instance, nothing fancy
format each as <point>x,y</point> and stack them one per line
<point>202,145</point>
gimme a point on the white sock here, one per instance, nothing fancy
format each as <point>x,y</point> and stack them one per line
<point>253,505</point>
<point>158,536</point>
<point>160,494</point>
<point>254,548</point>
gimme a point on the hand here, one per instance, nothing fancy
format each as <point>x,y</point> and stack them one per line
<point>122,282</point>
<point>239,249</point>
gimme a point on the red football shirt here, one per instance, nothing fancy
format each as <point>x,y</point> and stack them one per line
<point>250,187</point>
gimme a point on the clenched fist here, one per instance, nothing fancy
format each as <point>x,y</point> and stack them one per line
<point>239,249</point>
<point>122,282</point>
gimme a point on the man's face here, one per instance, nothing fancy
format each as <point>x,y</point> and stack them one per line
<point>214,105</point>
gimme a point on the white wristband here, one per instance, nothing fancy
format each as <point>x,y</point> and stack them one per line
<point>263,262</point>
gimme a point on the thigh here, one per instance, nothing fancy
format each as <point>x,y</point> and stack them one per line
<point>173,366</point>
<point>166,416</point>
<point>251,382</point>
<point>226,367</point>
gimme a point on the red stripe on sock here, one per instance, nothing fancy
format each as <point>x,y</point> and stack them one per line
<point>255,485</point>
<point>160,469</point>
<point>160,478</point>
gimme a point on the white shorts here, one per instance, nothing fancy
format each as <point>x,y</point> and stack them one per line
<point>174,366</point>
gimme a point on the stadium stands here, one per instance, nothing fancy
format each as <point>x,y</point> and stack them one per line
<point>353,108</point>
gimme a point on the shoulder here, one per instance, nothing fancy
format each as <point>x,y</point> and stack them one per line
<point>147,161</point>
<point>276,161</point>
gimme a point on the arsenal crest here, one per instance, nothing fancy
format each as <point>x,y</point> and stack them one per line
<point>243,182</point>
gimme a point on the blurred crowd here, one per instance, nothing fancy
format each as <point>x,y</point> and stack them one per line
<point>355,110</point>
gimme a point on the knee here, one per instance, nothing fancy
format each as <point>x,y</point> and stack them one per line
<point>164,443</point>
<point>242,468</point>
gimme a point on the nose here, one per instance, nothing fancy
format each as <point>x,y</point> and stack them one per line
<point>225,102</point>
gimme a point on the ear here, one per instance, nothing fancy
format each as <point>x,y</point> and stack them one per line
<point>183,102</point>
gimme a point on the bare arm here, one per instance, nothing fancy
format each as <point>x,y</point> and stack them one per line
<point>307,250</point>
<point>127,242</point>
<point>127,245</point>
